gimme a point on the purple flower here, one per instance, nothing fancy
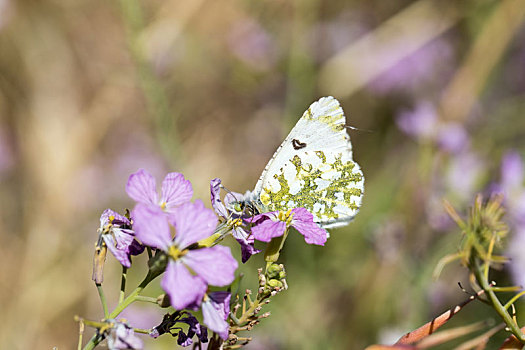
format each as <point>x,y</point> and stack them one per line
<point>215,311</point>
<point>168,325</point>
<point>463,174</point>
<point>189,271</point>
<point>274,224</point>
<point>512,171</point>
<point>122,336</point>
<point>233,222</point>
<point>119,237</point>
<point>175,191</point>
<point>195,328</point>
<point>431,63</point>
<point>420,122</point>
<point>253,45</point>
<point>452,138</point>
<point>512,186</point>
<point>515,253</point>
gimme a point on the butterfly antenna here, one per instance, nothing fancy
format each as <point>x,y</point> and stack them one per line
<point>358,129</point>
<point>224,188</point>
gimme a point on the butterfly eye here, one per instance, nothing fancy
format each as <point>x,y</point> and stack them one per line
<point>238,207</point>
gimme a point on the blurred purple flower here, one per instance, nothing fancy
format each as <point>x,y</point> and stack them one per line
<point>420,122</point>
<point>463,174</point>
<point>325,39</point>
<point>274,224</point>
<point>215,311</point>
<point>176,190</point>
<point>122,336</point>
<point>512,186</point>
<point>452,138</point>
<point>192,222</point>
<point>232,221</point>
<point>432,62</point>
<point>423,124</point>
<point>512,173</point>
<point>119,237</point>
<point>514,251</point>
<point>252,44</point>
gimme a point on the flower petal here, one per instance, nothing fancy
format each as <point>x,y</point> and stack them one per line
<point>141,187</point>
<point>183,288</point>
<point>123,336</point>
<point>175,191</point>
<point>192,222</point>
<point>214,265</point>
<point>215,311</point>
<point>512,171</point>
<point>247,243</point>
<point>268,229</point>
<point>118,219</point>
<point>216,203</point>
<point>151,226</point>
<point>303,221</point>
<point>257,219</point>
<point>120,253</point>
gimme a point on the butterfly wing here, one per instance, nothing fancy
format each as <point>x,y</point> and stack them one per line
<point>313,168</point>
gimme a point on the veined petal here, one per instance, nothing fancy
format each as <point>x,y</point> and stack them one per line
<point>214,265</point>
<point>259,217</point>
<point>175,190</point>
<point>121,254</point>
<point>141,187</point>
<point>151,226</point>
<point>247,243</point>
<point>512,171</point>
<point>268,229</point>
<point>216,203</point>
<point>215,311</point>
<point>183,288</point>
<point>118,219</point>
<point>192,222</point>
<point>122,336</point>
<point>303,221</point>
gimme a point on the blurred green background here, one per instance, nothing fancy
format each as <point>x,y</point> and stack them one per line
<point>90,91</point>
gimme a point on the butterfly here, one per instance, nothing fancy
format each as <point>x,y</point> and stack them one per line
<point>313,168</point>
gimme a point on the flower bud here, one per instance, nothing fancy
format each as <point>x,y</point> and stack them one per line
<point>163,300</point>
<point>275,283</point>
<point>274,270</point>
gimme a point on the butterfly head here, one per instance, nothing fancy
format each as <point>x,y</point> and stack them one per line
<point>243,208</point>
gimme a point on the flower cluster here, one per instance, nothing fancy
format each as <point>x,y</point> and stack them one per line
<point>189,271</point>
<point>181,237</point>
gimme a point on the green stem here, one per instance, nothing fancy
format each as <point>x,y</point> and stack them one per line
<point>496,304</point>
<point>248,312</point>
<point>143,331</point>
<point>96,339</point>
<point>123,284</point>
<point>80,334</point>
<point>132,297</point>
<point>514,298</point>
<point>103,300</point>
<point>146,299</point>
